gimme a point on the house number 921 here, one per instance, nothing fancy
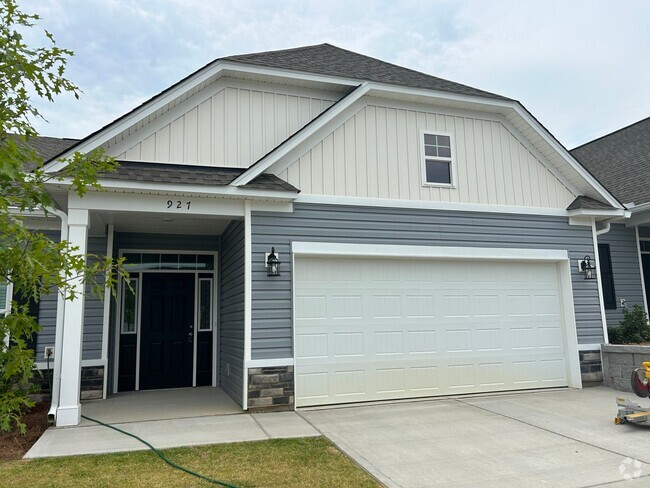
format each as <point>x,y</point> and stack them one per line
<point>178,204</point>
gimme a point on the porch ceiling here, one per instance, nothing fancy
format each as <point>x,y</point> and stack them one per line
<point>158,223</point>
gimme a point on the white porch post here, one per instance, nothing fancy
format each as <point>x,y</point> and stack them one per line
<point>69,409</point>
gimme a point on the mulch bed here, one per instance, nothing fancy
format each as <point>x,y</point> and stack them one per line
<point>14,445</point>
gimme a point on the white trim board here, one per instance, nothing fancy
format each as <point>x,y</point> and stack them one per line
<point>427,252</point>
<point>589,347</point>
<point>269,363</point>
<point>425,205</point>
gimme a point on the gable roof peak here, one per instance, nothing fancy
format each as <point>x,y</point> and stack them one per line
<point>328,59</point>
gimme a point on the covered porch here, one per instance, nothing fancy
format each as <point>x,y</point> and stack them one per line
<point>179,322</point>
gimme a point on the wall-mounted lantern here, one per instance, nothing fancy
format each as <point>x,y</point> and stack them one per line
<point>272,263</point>
<point>587,268</point>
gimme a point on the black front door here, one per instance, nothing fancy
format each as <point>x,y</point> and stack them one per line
<point>167,326</point>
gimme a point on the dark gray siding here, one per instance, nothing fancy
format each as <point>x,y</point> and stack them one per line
<point>231,326</point>
<point>271,327</point>
<point>625,268</point>
<point>94,307</point>
<point>644,231</point>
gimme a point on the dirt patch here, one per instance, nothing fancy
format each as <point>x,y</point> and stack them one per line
<point>14,445</point>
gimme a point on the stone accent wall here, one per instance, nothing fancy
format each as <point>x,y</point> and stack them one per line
<point>591,367</point>
<point>92,382</point>
<point>619,361</point>
<point>270,388</point>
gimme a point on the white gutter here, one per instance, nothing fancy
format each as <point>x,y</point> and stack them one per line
<point>60,320</point>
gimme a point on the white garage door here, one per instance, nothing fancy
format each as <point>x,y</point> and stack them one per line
<point>374,329</point>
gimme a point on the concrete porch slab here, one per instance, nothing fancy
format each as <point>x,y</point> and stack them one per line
<point>141,406</point>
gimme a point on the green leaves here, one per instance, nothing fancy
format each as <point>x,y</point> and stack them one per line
<point>30,260</point>
<point>633,329</point>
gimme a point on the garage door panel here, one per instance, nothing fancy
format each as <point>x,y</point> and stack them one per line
<point>371,329</point>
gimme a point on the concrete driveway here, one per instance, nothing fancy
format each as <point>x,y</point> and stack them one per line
<point>563,438</point>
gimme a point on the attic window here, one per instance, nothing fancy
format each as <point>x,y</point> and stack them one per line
<point>437,160</point>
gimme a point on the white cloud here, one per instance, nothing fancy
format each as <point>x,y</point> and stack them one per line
<point>580,67</point>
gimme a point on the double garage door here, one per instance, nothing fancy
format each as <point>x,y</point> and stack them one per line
<point>378,329</point>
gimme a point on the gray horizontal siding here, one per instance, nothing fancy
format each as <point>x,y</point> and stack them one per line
<point>94,308</point>
<point>93,311</point>
<point>272,324</point>
<point>231,325</point>
<point>47,313</point>
<point>625,268</point>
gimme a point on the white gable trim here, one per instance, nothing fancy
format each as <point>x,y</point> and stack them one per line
<point>301,136</point>
<point>143,111</point>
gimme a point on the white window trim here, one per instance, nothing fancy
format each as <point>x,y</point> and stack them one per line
<point>452,159</point>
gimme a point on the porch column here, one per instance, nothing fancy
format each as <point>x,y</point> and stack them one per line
<point>69,409</point>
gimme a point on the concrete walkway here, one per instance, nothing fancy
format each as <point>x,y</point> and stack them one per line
<point>97,439</point>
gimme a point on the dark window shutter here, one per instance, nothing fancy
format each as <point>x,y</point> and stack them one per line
<point>607,277</point>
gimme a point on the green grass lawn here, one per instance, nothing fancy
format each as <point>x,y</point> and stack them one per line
<point>311,462</point>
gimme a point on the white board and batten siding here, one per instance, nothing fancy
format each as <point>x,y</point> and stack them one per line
<point>232,128</point>
<point>377,329</point>
<point>376,153</point>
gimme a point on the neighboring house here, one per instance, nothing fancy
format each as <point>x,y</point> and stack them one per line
<point>429,236</point>
<point>621,162</point>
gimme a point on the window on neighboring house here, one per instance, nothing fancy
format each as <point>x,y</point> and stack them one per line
<point>5,297</point>
<point>607,277</point>
<point>437,161</point>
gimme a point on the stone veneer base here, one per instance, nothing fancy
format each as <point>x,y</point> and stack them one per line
<point>270,389</point>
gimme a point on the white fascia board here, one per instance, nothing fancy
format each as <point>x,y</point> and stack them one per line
<point>640,208</point>
<point>116,127</point>
<point>639,215</point>
<point>427,252</point>
<point>606,214</point>
<point>294,141</point>
<point>167,188</point>
<point>428,205</point>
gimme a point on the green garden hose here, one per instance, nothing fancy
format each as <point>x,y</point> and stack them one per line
<point>156,451</point>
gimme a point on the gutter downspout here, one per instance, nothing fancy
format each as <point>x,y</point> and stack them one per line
<point>601,299</point>
<point>60,320</point>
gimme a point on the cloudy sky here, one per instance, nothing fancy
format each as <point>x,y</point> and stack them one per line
<point>582,67</point>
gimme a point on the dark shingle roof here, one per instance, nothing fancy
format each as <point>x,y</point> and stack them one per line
<point>184,174</point>
<point>325,59</point>
<point>583,202</point>
<point>621,162</point>
<point>46,147</point>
